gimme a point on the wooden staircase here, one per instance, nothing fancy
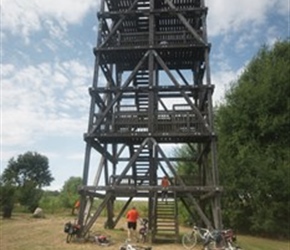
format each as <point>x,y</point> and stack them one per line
<point>142,167</point>
<point>142,98</point>
<point>165,228</point>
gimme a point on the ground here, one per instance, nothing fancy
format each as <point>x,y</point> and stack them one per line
<point>23,232</point>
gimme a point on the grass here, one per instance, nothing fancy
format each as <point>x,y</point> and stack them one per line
<point>23,232</point>
<point>255,243</point>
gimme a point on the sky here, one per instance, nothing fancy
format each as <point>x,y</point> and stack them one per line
<point>47,67</point>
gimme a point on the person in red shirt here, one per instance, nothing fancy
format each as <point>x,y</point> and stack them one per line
<point>132,217</point>
<point>76,207</point>
<point>164,184</point>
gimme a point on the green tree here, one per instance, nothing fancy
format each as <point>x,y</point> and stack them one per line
<point>189,171</point>
<point>50,202</point>
<point>253,127</point>
<point>69,193</point>
<point>7,199</point>
<point>28,173</point>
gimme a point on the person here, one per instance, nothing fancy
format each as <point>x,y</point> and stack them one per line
<point>132,217</point>
<point>164,184</point>
<point>76,207</point>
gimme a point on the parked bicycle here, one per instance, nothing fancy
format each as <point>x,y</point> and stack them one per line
<point>230,240</point>
<point>195,236</point>
<point>71,229</point>
<point>128,246</point>
<point>211,239</point>
<point>143,231</point>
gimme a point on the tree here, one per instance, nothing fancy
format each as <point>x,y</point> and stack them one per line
<point>189,172</point>
<point>7,198</point>
<point>253,128</point>
<point>253,145</point>
<point>187,169</point>
<point>28,173</point>
<point>50,201</point>
<point>69,193</point>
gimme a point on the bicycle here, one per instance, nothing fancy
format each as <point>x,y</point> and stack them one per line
<point>143,231</point>
<point>212,240</point>
<point>128,246</point>
<point>71,230</point>
<point>197,235</point>
<point>230,239</point>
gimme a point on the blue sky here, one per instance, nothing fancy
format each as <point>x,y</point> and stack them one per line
<point>47,67</point>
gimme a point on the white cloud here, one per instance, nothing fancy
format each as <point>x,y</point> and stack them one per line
<point>7,69</point>
<point>246,39</point>
<point>226,16</point>
<point>283,7</point>
<point>222,81</point>
<point>273,35</point>
<point>39,101</point>
<point>27,16</point>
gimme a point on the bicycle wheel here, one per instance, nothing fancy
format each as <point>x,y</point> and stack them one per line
<point>70,235</point>
<point>231,246</point>
<point>143,238</point>
<point>211,246</point>
<point>69,238</point>
<point>189,240</point>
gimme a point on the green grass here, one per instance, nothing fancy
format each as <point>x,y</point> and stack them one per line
<point>22,232</point>
<point>256,243</point>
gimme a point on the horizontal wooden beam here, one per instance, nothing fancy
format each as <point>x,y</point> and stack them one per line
<point>130,89</point>
<point>168,12</point>
<point>130,188</point>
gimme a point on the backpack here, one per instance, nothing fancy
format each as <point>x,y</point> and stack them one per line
<point>67,227</point>
<point>102,239</point>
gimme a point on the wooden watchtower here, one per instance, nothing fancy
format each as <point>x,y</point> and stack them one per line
<point>151,91</point>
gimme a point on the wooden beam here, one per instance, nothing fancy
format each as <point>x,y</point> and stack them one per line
<point>92,220</point>
<point>132,188</point>
<point>185,22</point>
<point>190,103</point>
<point>115,28</point>
<point>123,211</point>
<point>118,95</point>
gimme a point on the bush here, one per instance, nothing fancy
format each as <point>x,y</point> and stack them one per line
<point>7,200</point>
<point>51,203</point>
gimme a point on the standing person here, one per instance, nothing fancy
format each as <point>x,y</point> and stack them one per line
<point>76,207</point>
<point>132,217</point>
<point>164,184</point>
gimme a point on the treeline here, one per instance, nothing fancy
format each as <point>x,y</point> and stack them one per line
<point>22,186</point>
<point>253,126</point>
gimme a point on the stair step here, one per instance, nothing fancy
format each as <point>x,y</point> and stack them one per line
<point>165,210</point>
<point>167,228</point>
<point>164,204</point>
<point>166,215</point>
<point>166,223</point>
